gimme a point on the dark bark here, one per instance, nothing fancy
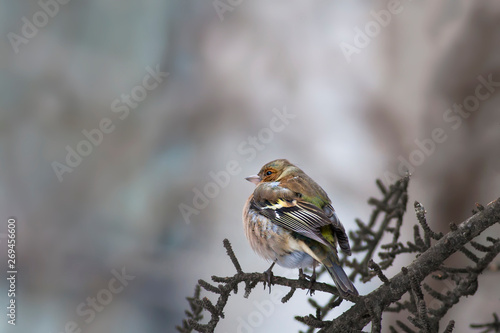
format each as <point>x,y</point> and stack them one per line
<point>431,250</point>
<point>429,261</point>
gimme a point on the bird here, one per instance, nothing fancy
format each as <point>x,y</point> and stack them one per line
<point>289,220</point>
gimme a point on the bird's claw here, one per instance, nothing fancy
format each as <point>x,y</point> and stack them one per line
<point>302,276</point>
<point>269,277</point>
<point>312,281</point>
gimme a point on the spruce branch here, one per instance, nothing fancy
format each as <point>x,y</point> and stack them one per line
<point>430,249</point>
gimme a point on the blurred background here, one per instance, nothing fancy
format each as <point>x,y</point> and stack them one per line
<point>171,93</point>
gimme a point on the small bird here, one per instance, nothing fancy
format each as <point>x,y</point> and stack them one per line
<point>290,221</point>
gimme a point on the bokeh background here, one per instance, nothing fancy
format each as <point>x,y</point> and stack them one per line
<point>354,120</point>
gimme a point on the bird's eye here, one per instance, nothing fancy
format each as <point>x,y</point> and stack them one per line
<point>269,173</point>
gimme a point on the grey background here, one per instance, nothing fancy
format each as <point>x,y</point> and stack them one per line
<point>120,206</point>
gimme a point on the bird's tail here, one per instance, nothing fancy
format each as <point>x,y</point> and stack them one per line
<point>344,285</point>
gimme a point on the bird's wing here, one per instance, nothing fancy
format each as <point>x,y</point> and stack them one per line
<point>339,229</point>
<point>285,208</point>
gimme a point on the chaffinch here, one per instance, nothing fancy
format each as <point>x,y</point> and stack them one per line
<point>290,221</point>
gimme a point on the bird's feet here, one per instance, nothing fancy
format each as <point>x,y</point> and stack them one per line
<point>269,277</point>
<point>312,280</point>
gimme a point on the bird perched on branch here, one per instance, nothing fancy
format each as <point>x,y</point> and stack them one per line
<point>290,221</point>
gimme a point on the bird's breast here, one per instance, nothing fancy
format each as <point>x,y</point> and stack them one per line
<point>273,242</point>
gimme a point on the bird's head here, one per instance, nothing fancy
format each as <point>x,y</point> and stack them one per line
<point>272,171</point>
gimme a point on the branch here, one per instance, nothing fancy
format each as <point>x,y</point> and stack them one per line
<point>494,326</point>
<point>429,261</point>
<point>431,249</point>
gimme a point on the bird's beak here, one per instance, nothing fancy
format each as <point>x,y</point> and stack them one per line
<point>254,179</point>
